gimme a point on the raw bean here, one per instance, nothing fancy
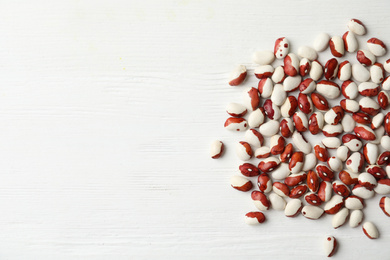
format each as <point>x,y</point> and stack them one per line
<point>254,138</point>
<point>386,83</point>
<point>354,202</point>
<point>328,89</point>
<point>316,122</point>
<point>336,45</point>
<point>348,123</point>
<point>352,142</point>
<point>289,106</point>
<point>264,183</point>
<point>348,178</point>
<point>357,27</point>
<point>384,158</point>
<point>254,218</point>
<point>260,200</point>
<point>369,106</point>
<point>387,123</point>
<point>340,218</point>
<point>384,204</point>
<point>293,207</point>
<point>321,42</point>
<point>307,52</point>
<point>361,118</point>
<point>385,142</point>
<point>313,181</point>
<point>265,87</point>
<point>377,73</point>
<point>237,76</point>
<point>379,132</point>
<point>325,191</point>
<point>287,153</point>
<point>355,162</point>
<point>376,171</point>
<point>291,64</point>
<point>312,212</point>
<point>340,188</point>
<point>282,47</point>
<point>309,162</point>
<point>371,153</point>
<point>316,70</point>
<point>304,67</point>
<point>334,115</point>
<point>362,192</point>
<point>386,65</point>
<point>256,118</point>
<point>368,89</point>
<point>360,73</point>
<point>271,110</point>
<point>240,183</point>
<point>319,102</point>
<point>342,153</point>
<point>282,172</point>
<point>262,152</point>
<point>281,189</point>
<point>370,230</point>
<point>376,46</point>
<point>364,132</point>
<point>383,187</point>
<point>286,127</point>
<point>377,121</point>
<point>236,124</point>
<point>331,69</point>
<point>301,143</point>
<point>269,164</point>
<point>350,43</point>
<point>296,162</point>
<point>365,57</point>
<point>334,205</point>
<point>383,99</point>
<point>278,96</point>
<point>356,218</point>
<point>321,152</point>
<point>305,104</point>
<point>331,142</point>
<point>367,180</point>
<point>307,86</point>
<point>244,151</point>
<point>277,144</point>
<point>345,71</point>
<point>349,105</point>
<point>263,57</point>
<point>335,164</point>
<point>249,170</point>
<point>279,75</point>
<point>349,89</point>
<point>295,179</point>
<point>252,99</point>
<point>236,110</point>
<point>325,173</point>
<point>332,130</point>
<point>291,83</point>
<point>216,150</point>
<point>313,199</point>
<point>300,121</point>
<point>330,246</point>
<point>269,128</point>
<point>277,202</point>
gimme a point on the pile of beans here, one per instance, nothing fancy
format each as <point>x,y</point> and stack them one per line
<point>293,100</point>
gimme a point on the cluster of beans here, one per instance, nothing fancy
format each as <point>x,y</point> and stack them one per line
<point>297,176</point>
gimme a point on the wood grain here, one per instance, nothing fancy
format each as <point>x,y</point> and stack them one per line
<point>107,110</point>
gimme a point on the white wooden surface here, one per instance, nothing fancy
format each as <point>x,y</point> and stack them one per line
<point>107,109</point>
